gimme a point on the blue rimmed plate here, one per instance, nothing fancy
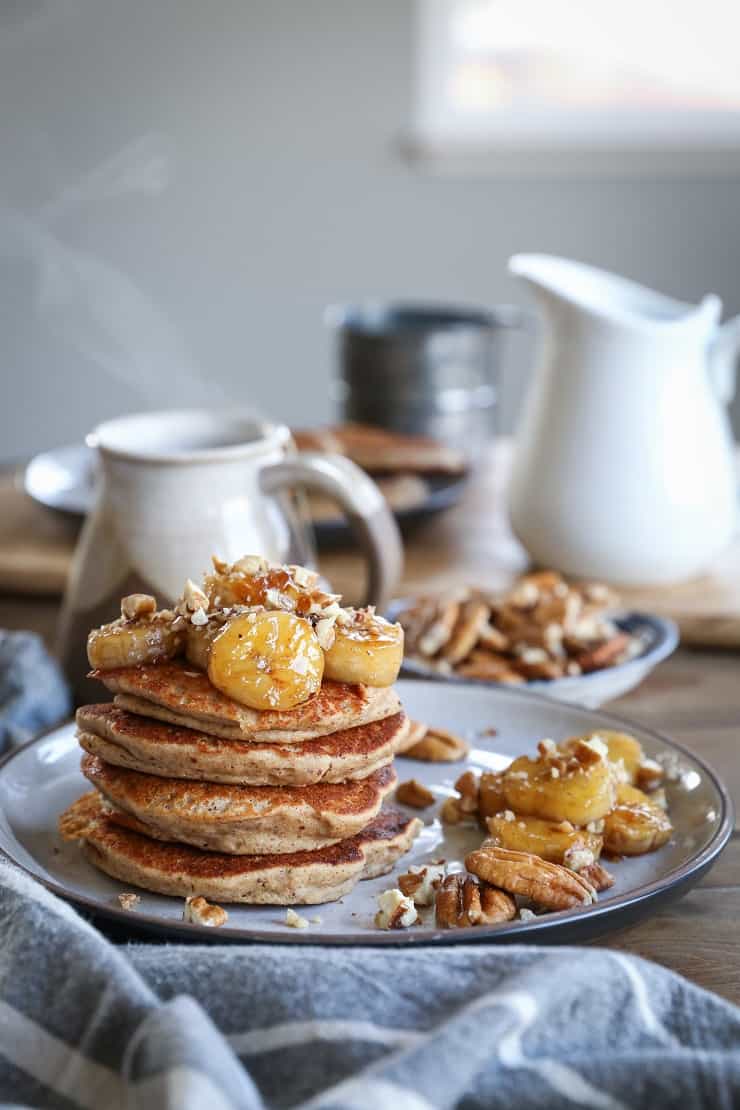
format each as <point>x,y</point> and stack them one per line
<point>40,780</point>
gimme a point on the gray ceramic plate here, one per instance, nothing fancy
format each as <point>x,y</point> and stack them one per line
<point>38,781</point>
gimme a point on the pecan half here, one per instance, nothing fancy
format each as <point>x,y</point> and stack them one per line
<point>604,655</point>
<point>414,794</point>
<point>462,902</point>
<point>439,746</point>
<point>472,619</point>
<point>417,731</point>
<point>439,631</point>
<point>547,884</point>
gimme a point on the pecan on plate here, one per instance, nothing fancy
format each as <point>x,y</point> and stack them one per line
<point>598,876</point>
<point>547,884</point>
<point>414,794</point>
<point>462,901</point>
<point>439,746</point>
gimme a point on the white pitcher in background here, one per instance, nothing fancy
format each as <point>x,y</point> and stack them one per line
<point>623,464</point>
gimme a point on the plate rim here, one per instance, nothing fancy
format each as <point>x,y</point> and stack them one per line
<point>526,931</point>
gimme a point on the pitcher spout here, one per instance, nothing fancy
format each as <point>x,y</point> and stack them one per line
<point>562,283</point>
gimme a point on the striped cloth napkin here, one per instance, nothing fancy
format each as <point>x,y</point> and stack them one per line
<point>84,1023</point>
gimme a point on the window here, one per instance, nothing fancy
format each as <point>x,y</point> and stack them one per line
<point>588,76</point>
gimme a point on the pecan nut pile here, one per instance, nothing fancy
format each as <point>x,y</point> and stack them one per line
<point>542,628</point>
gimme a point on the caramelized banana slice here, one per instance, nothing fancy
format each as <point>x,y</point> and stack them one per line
<point>576,786</point>
<point>127,643</point>
<point>636,825</point>
<point>368,650</point>
<point>199,641</point>
<point>550,840</point>
<point>266,660</point>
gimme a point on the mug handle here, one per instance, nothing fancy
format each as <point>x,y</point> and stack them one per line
<point>362,503</point>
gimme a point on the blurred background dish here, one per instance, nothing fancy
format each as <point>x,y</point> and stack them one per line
<point>657,636</point>
<point>422,369</point>
<point>63,478</point>
<point>417,475</point>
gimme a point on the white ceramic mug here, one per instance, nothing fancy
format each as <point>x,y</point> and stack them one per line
<point>177,487</point>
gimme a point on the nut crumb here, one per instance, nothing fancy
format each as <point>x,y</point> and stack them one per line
<point>395,910</point>
<point>199,912</point>
<point>415,794</point>
<point>137,605</point>
<point>128,901</point>
<point>421,883</point>
<point>295,920</point>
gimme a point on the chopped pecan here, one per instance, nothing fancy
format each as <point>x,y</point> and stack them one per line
<point>598,876</point>
<point>492,638</point>
<point>128,901</point>
<point>472,619</point>
<point>439,631</point>
<point>200,912</point>
<point>649,776</point>
<point>604,655</point>
<point>136,606</point>
<point>468,787</point>
<point>421,883</point>
<point>547,884</point>
<point>395,910</point>
<point>439,746</point>
<point>462,902</point>
<point>488,666</point>
<point>540,667</point>
<point>450,813</point>
<point>414,794</point>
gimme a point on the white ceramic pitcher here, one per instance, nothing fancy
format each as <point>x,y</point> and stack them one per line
<point>623,464</point>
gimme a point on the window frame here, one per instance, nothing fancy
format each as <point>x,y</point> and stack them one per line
<point>637,144</point>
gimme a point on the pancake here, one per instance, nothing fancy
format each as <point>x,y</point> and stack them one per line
<point>142,744</point>
<point>296,878</point>
<point>174,693</point>
<point>244,820</point>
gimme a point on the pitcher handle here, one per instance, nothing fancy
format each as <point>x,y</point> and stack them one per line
<point>362,503</point>
<point>723,355</point>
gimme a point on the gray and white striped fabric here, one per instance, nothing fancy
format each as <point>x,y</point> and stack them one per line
<point>84,1023</point>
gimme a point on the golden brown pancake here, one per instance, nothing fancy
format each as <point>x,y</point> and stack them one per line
<point>175,693</point>
<point>143,744</point>
<point>306,878</point>
<point>245,820</point>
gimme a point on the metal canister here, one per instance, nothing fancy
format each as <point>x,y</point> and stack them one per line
<point>422,369</point>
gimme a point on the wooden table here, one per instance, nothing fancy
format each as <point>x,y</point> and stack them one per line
<point>694,697</point>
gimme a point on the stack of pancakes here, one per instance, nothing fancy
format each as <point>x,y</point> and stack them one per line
<point>198,794</point>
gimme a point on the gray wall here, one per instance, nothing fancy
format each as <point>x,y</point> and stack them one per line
<point>185,185</point>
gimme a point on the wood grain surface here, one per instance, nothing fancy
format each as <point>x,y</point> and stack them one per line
<point>693,697</point>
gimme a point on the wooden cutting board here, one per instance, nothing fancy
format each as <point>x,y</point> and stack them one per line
<point>471,543</point>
